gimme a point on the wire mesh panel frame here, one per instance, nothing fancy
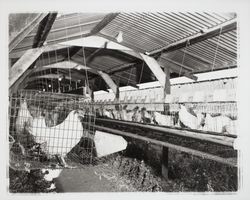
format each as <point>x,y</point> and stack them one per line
<point>49,130</point>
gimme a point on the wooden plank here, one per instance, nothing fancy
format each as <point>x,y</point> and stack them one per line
<point>167,87</point>
<point>48,76</point>
<point>213,32</point>
<point>108,80</point>
<point>31,55</point>
<point>104,22</point>
<point>60,65</point>
<point>120,68</point>
<point>23,64</point>
<point>194,152</point>
<point>172,131</point>
<point>79,62</point>
<point>27,29</point>
<point>155,68</point>
<point>21,77</point>
<point>43,30</point>
<point>49,48</point>
<point>19,84</point>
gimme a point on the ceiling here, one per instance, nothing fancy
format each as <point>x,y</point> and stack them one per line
<point>187,43</point>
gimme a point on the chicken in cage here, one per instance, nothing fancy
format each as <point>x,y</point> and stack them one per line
<point>48,129</point>
<point>220,117</point>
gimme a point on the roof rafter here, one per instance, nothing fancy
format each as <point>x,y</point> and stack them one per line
<point>26,30</point>
<point>213,32</point>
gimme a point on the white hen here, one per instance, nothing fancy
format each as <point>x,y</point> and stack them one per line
<point>59,139</point>
<point>161,119</point>
<point>221,124</point>
<point>187,118</point>
<point>24,117</point>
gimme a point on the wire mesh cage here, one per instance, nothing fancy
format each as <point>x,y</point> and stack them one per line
<point>220,117</point>
<point>50,130</point>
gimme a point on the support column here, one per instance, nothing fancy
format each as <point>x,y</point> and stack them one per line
<point>167,90</point>
<point>117,99</point>
<point>164,162</point>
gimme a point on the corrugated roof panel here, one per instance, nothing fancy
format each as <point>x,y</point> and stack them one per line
<point>152,31</point>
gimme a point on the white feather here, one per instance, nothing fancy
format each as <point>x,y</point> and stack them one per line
<point>187,118</point>
<point>220,124</point>
<point>23,117</point>
<point>52,173</point>
<point>59,139</point>
<point>161,119</point>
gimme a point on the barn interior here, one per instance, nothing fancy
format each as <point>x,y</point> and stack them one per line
<point>152,86</point>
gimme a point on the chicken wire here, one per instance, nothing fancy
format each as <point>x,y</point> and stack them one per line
<point>210,116</point>
<point>50,130</point>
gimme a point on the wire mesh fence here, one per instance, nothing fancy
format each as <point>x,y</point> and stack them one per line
<point>50,130</point>
<point>218,117</point>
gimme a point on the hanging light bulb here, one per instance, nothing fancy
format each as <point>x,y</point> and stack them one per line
<point>119,37</point>
<point>49,86</point>
<point>44,89</point>
<point>60,78</point>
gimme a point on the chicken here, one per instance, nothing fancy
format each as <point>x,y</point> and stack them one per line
<point>145,116</point>
<point>23,122</point>
<point>117,114</point>
<point>160,119</point>
<point>108,114</point>
<point>188,118</point>
<point>221,124</point>
<point>126,114</point>
<point>136,117</point>
<point>24,117</point>
<point>59,139</point>
<point>50,174</point>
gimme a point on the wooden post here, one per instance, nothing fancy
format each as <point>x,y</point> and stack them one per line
<point>117,98</point>
<point>167,89</point>
<point>164,156</point>
<point>164,162</point>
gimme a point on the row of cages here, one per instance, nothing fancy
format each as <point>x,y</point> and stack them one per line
<point>218,117</point>
<point>46,127</point>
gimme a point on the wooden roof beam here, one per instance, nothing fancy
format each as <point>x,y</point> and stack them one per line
<point>108,80</point>
<point>43,30</point>
<point>104,22</point>
<point>213,32</point>
<point>155,68</point>
<point>120,68</point>
<point>26,30</point>
<point>29,57</point>
<point>173,67</point>
<point>23,64</point>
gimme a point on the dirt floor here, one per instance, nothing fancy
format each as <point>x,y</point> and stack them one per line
<point>121,172</point>
<point>82,180</point>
